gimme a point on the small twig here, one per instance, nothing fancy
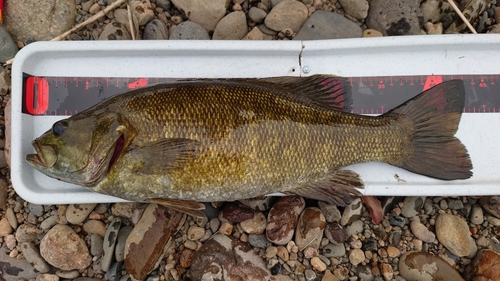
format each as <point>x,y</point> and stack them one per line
<point>130,22</point>
<point>461,15</point>
<point>80,25</point>
<point>398,178</point>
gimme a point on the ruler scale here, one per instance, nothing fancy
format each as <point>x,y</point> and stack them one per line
<point>48,95</point>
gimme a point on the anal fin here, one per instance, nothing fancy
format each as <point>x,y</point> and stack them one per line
<point>337,188</point>
<point>189,207</point>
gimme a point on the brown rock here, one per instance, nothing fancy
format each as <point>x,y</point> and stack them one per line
<point>124,209</point>
<point>5,227</point>
<point>423,266</point>
<point>3,193</point>
<point>282,219</point>
<point>64,249</point>
<point>484,267</point>
<point>147,243</point>
<point>453,232</point>
<point>234,212</point>
<point>95,226</point>
<point>491,204</point>
<point>226,258</point>
<point>27,233</point>
<point>256,225</point>
<point>386,270</point>
<point>288,14</point>
<point>335,233</point>
<point>393,251</point>
<point>186,257</point>
<point>310,228</point>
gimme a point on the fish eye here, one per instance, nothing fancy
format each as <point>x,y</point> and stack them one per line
<point>59,127</point>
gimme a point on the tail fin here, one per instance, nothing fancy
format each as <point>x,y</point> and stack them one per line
<point>434,150</point>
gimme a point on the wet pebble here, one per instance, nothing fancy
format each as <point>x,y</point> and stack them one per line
<point>255,225</point>
<point>370,244</point>
<point>352,212</point>
<point>333,251</point>
<point>258,241</point>
<point>491,204</point>
<point>412,206</point>
<point>257,15</point>
<point>288,14</point>
<point>310,228</point>
<point>453,232</point>
<point>68,274</point>
<point>417,266</point>
<point>95,226</point>
<point>226,256</point>
<point>64,249</point>
<point>422,232</point>
<point>476,215</point>
<point>189,30</point>
<point>109,243</point>
<point>49,222</point>
<point>485,266</point>
<point>120,242</point>
<point>207,13</point>
<point>356,8</point>
<point>96,244</point>
<point>231,27</point>
<point>391,19</point>
<point>32,255</point>
<point>234,212</point>
<point>335,233</point>
<point>77,213</point>
<point>282,219</point>
<point>155,30</point>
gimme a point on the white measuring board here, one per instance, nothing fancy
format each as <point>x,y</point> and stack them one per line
<point>365,58</point>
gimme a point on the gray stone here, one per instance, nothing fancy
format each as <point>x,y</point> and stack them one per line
<point>68,274</point>
<point>12,268</point>
<point>422,232</point>
<point>49,222</point>
<point>189,30</point>
<point>35,209</point>
<point>115,271</point>
<point>120,242</point>
<point>114,31</point>
<point>206,13</point>
<point>8,48</point>
<point>426,266</point>
<point>331,212</point>
<point>358,9</point>
<point>77,213</point>
<point>231,27</point>
<point>476,215</point>
<point>394,18</point>
<point>355,228</point>
<point>266,30</point>
<point>109,243</point>
<point>164,4</point>
<point>328,25</point>
<point>287,15</point>
<point>412,206</point>
<point>258,241</point>
<point>257,15</point>
<point>27,233</point>
<point>32,255</point>
<point>155,30</point>
<point>142,10</point>
<point>96,242</point>
<point>491,204</point>
<point>44,20</point>
<point>435,11</point>
<point>260,204</point>
<point>333,251</point>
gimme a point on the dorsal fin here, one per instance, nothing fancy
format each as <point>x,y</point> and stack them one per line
<point>327,91</point>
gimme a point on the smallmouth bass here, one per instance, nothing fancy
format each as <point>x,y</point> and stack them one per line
<point>186,142</point>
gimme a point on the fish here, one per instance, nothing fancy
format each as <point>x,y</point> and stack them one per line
<point>204,140</point>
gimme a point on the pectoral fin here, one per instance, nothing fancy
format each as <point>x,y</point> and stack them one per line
<point>337,188</point>
<point>189,207</point>
<point>164,155</point>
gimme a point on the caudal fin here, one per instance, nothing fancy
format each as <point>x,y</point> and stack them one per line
<point>434,150</point>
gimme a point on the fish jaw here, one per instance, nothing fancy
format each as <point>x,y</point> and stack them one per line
<point>45,156</point>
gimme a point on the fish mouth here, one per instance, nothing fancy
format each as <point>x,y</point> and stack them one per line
<point>39,159</point>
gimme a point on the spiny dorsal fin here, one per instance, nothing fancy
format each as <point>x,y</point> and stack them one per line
<point>189,207</point>
<point>327,91</point>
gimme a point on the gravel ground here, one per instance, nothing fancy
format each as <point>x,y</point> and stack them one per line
<point>419,238</point>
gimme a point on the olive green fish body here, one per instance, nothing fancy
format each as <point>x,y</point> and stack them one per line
<point>216,140</point>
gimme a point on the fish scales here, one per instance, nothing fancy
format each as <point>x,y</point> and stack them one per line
<point>254,142</point>
<point>224,140</point>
